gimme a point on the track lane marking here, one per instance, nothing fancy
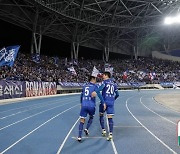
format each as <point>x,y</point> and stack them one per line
<point>32,116</point>
<point>127,126</point>
<point>112,142</point>
<point>166,107</point>
<point>36,129</point>
<point>156,113</point>
<point>32,105</point>
<point>62,145</point>
<point>65,139</point>
<point>148,129</point>
<point>36,107</point>
<point>89,137</point>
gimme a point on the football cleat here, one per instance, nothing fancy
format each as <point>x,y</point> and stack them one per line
<point>103,132</point>
<point>79,139</point>
<point>110,137</point>
<point>86,131</point>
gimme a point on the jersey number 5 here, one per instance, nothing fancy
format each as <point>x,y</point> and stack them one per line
<point>86,91</point>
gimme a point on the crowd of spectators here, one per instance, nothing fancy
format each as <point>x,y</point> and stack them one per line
<point>131,70</point>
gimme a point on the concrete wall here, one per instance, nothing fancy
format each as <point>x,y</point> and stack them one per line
<point>159,55</point>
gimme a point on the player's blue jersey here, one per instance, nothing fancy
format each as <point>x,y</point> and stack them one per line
<point>86,99</point>
<point>109,91</point>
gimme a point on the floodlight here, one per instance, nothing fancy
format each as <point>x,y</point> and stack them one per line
<point>169,20</point>
<point>178,19</point>
<point>172,20</point>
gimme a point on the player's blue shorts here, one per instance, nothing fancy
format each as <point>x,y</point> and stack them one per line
<point>109,109</point>
<point>87,110</point>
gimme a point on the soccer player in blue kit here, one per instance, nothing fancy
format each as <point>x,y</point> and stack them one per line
<point>110,94</point>
<point>88,104</point>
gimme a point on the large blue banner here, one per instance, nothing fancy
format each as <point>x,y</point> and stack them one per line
<point>8,55</point>
<point>12,89</point>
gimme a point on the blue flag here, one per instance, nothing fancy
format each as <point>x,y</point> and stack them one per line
<point>36,58</point>
<point>56,60</point>
<point>8,55</point>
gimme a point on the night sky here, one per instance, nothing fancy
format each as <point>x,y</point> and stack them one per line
<point>13,35</point>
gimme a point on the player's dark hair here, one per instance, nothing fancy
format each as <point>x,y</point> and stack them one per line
<point>108,74</point>
<point>91,78</point>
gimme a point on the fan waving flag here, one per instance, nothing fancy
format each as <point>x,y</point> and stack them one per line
<point>8,55</point>
<point>125,75</point>
<point>36,58</point>
<point>72,70</point>
<point>95,72</point>
<point>108,68</point>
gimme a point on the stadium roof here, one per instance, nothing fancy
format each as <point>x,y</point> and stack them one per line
<point>92,23</point>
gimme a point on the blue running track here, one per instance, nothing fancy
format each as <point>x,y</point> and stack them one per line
<point>50,126</point>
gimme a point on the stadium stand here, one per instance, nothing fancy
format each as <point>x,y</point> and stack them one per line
<point>142,70</point>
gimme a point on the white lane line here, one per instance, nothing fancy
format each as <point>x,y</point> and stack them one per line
<point>39,106</point>
<point>164,105</point>
<point>112,142</point>
<point>24,106</point>
<point>23,99</point>
<point>36,129</point>
<point>60,148</point>
<point>32,116</point>
<point>156,113</point>
<point>128,126</point>
<point>148,129</point>
<point>89,137</point>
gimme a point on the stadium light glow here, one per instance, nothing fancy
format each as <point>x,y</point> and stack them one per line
<point>178,18</point>
<point>168,20</point>
<point>172,20</point>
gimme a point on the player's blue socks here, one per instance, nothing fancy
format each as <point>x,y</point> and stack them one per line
<point>80,129</point>
<point>101,119</point>
<point>89,122</point>
<point>110,124</point>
